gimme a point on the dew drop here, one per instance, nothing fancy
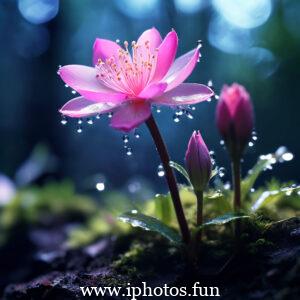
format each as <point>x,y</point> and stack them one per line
<point>66,86</point>
<point>110,114</point>
<point>73,92</point>
<point>193,108</point>
<point>79,121</point>
<point>212,154</point>
<point>250,144</point>
<point>210,83</point>
<point>79,129</point>
<point>208,100</point>
<point>90,121</point>
<point>125,138</point>
<point>100,186</point>
<point>222,172</point>
<point>176,118</point>
<point>64,120</point>
<point>179,111</point>
<point>158,110</point>
<point>117,41</point>
<point>98,116</point>
<point>128,151</point>
<point>217,97</point>
<point>288,156</point>
<point>199,44</point>
<point>189,115</point>
<point>137,135</point>
<point>160,170</point>
<point>58,71</point>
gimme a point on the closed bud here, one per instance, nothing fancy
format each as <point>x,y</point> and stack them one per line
<point>198,162</point>
<point>235,118</point>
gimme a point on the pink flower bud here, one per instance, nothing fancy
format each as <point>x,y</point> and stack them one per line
<point>235,118</point>
<point>198,162</point>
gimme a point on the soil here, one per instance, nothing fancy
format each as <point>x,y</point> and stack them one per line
<point>265,265</point>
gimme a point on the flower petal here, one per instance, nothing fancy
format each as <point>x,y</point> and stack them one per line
<point>153,90</point>
<point>165,55</point>
<point>130,115</point>
<point>181,69</point>
<point>152,36</point>
<point>185,94</point>
<point>81,107</point>
<point>83,80</point>
<point>104,49</point>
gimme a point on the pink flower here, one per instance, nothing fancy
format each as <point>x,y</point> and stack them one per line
<point>235,117</point>
<point>128,82</point>
<point>198,162</point>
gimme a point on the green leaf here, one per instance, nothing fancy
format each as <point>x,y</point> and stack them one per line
<point>224,219</point>
<point>248,182</point>
<point>179,168</point>
<point>149,223</point>
<point>268,197</point>
<point>163,208</point>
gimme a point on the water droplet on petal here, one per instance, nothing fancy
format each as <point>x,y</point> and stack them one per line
<point>193,108</point>
<point>117,41</point>
<point>210,83</point>
<point>79,121</point>
<point>222,142</point>
<point>66,86</point>
<point>217,97</point>
<point>98,116</point>
<point>250,144</point>
<point>208,100</point>
<point>110,114</point>
<point>73,92</point>
<point>158,110</point>
<point>252,190</point>
<point>160,170</point>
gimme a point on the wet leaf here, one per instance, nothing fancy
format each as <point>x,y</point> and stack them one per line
<point>163,208</point>
<point>224,219</point>
<point>179,168</point>
<point>249,181</point>
<point>149,223</point>
<point>268,197</point>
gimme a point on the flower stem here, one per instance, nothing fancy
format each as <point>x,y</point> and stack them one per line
<point>199,195</point>
<point>236,179</point>
<point>165,159</point>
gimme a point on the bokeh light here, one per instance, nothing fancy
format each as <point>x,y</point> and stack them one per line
<point>38,11</point>
<point>227,37</point>
<point>244,14</point>
<point>138,8</point>
<point>190,6</point>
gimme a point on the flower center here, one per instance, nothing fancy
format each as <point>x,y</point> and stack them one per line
<point>129,73</point>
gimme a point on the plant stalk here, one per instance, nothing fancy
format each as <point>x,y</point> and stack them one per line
<point>199,196</point>
<point>236,180</point>
<point>170,177</point>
